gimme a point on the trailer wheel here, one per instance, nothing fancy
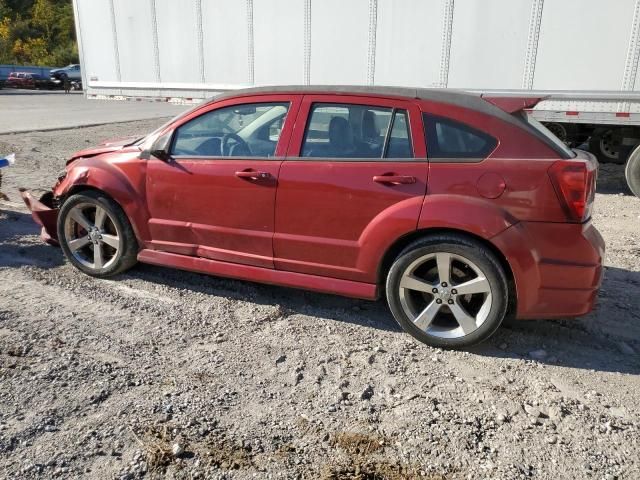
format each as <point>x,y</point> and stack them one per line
<point>559,130</point>
<point>601,145</point>
<point>632,172</point>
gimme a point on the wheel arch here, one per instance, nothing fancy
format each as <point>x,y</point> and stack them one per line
<point>80,188</point>
<point>76,189</point>
<point>401,243</point>
<point>125,187</point>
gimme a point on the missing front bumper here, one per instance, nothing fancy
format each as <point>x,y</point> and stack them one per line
<point>44,213</point>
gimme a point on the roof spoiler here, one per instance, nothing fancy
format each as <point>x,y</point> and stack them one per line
<point>512,104</point>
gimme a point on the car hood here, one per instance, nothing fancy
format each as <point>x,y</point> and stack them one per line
<point>107,146</point>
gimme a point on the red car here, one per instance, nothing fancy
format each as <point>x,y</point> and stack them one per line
<point>18,80</point>
<point>460,209</point>
<point>26,80</point>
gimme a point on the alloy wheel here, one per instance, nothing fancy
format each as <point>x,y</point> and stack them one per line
<point>92,236</point>
<point>445,295</point>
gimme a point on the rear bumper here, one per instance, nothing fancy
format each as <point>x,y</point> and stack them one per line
<point>44,214</point>
<point>557,267</point>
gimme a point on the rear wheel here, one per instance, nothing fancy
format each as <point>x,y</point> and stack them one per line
<point>95,235</point>
<point>632,172</point>
<point>448,291</point>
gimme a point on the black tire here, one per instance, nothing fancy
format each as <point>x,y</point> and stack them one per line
<point>569,133</point>
<point>124,257</point>
<point>632,172</point>
<point>460,246</point>
<point>597,146</point>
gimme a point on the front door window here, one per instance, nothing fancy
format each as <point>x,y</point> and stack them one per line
<point>248,131</point>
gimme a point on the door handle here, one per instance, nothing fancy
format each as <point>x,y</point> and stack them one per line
<point>395,179</point>
<point>253,175</point>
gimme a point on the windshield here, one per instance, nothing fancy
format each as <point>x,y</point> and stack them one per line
<point>548,134</point>
<point>146,141</point>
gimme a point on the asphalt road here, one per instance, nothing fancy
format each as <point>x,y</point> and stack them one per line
<point>28,110</point>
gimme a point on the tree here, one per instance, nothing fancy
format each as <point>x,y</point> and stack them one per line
<point>37,32</point>
<point>33,50</point>
<point>43,17</point>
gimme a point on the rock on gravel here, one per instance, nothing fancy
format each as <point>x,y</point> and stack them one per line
<point>177,449</point>
<point>532,411</point>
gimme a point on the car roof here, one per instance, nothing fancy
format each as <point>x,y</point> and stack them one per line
<point>468,100</point>
<point>458,98</point>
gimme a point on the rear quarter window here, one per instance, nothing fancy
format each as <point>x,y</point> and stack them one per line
<point>448,138</point>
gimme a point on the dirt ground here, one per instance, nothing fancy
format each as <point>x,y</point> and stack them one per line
<point>165,373</point>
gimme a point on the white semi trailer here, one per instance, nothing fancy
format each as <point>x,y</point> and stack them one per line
<point>581,55</point>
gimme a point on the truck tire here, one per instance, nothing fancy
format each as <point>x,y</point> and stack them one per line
<point>559,130</point>
<point>632,172</point>
<point>571,134</point>
<point>601,145</point>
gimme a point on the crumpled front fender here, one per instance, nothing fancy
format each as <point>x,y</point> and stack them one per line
<point>44,214</point>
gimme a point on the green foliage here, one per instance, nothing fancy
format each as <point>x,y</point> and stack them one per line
<point>37,32</point>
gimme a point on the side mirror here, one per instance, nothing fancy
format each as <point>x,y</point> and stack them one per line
<point>160,155</point>
<point>159,149</point>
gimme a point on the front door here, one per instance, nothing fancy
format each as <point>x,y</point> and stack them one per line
<point>215,198</point>
<point>354,171</point>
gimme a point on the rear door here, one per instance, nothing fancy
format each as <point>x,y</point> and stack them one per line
<point>351,162</point>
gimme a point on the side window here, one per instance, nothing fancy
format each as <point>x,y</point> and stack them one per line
<point>447,138</point>
<point>250,130</point>
<point>356,131</point>
<point>399,145</point>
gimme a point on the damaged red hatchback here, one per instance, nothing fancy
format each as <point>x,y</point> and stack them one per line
<point>460,208</point>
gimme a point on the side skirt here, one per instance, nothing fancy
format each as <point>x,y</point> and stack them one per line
<point>304,281</point>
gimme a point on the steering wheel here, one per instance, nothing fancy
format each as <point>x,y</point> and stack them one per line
<point>226,148</point>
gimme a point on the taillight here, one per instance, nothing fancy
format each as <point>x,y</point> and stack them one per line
<point>575,185</point>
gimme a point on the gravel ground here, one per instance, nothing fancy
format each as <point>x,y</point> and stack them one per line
<point>160,372</point>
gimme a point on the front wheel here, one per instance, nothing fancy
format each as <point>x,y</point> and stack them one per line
<point>632,172</point>
<point>448,291</point>
<point>95,235</point>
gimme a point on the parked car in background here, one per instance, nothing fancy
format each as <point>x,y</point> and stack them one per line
<point>460,209</point>
<point>16,80</point>
<point>29,81</point>
<point>72,72</point>
<point>6,69</point>
<point>42,83</point>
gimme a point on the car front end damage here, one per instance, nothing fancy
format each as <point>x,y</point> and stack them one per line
<point>45,213</point>
<point>44,209</point>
